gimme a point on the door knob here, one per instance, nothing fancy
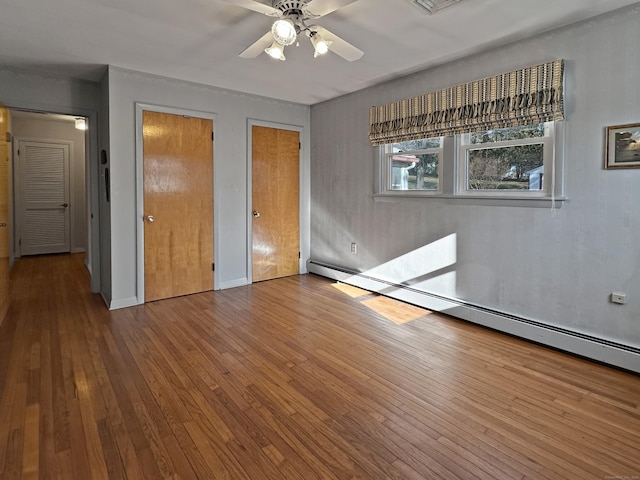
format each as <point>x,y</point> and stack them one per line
<point>149,218</point>
<point>65,205</point>
<point>256,213</point>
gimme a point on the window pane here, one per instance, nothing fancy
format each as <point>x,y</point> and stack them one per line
<point>420,144</point>
<point>514,133</point>
<point>414,172</point>
<point>506,168</point>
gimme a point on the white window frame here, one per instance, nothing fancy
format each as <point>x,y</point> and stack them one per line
<point>464,145</point>
<point>386,171</point>
<point>452,175</point>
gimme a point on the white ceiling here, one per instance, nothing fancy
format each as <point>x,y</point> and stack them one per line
<point>199,40</point>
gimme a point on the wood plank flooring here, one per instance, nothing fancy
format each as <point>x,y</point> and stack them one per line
<point>295,378</point>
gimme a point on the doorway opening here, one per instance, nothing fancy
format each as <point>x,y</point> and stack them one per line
<point>50,180</point>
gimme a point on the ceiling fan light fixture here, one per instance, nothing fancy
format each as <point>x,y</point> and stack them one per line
<point>290,23</point>
<point>284,31</point>
<point>276,51</point>
<point>320,45</point>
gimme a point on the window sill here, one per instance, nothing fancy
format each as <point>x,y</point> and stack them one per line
<point>480,200</point>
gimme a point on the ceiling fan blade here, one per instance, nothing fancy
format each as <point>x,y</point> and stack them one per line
<point>258,46</point>
<point>320,8</point>
<point>339,46</point>
<point>255,6</point>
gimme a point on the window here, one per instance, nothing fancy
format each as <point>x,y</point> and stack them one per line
<point>500,166</point>
<point>516,163</point>
<point>412,166</point>
<point>509,161</point>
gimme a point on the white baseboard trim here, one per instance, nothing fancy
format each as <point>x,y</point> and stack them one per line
<point>601,350</point>
<point>238,282</point>
<point>123,303</point>
<point>105,298</point>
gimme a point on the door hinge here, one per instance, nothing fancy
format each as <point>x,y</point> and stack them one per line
<point>299,255</point>
<point>8,137</point>
<point>299,146</point>
<point>212,136</point>
<point>18,152</point>
<point>213,267</point>
<point>20,242</point>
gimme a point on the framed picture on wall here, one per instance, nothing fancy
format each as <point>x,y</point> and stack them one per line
<point>623,146</point>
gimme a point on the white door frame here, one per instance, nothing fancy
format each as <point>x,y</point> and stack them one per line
<point>140,108</point>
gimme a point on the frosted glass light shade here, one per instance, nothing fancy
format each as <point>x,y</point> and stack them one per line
<point>320,45</point>
<point>284,31</point>
<point>275,51</point>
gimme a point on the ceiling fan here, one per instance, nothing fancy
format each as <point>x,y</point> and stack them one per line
<point>292,17</point>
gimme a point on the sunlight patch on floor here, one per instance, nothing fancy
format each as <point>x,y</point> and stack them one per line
<point>353,292</point>
<point>429,268</point>
<point>395,310</point>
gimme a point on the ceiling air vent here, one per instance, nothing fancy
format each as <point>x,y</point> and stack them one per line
<point>433,6</point>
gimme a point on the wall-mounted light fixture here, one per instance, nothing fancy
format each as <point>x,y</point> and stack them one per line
<point>81,124</point>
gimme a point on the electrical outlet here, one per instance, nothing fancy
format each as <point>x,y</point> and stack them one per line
<point>354,248</point>
<point>617,297</point>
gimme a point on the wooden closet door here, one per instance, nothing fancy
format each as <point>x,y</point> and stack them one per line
<point>275,202</point>
<point>178,205</point>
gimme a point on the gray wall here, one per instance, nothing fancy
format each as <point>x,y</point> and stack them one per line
<point>104,206</point>
<point>232,112</point>
<point>557,267</point>
<point>48,129</point>
<point>38,92</point>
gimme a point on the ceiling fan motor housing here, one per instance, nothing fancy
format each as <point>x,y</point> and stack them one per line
<point>290,7</point>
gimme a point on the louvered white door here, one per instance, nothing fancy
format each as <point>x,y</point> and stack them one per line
<point>43,197</point>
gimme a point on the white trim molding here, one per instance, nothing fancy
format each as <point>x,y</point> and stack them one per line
<point>122,303</point>
<point>238,282</point>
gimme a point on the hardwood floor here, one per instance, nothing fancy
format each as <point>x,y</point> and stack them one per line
<point>295,378</point>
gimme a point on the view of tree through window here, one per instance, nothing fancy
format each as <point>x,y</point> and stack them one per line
<point>515,162</point>
<point>509,165</point>
<point>512,133</point>
<point>505,168</point>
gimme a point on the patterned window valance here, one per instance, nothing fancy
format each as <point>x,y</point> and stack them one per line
<point>522,97</point>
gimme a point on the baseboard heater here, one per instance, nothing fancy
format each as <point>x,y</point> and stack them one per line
<point>601,350</point>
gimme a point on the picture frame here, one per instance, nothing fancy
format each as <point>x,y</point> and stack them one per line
<point>623,146</point>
